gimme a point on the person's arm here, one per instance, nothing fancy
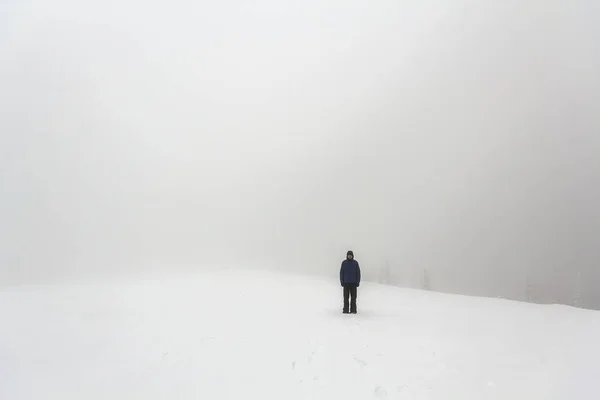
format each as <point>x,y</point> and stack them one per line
<point>358,271</point>
<point>342,275</point>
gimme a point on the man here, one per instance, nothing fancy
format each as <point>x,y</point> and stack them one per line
<point>350,280</point>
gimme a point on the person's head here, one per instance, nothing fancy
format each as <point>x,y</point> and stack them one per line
<point>349,255</point>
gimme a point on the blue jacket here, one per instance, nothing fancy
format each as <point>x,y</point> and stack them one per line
<point>350,272</point>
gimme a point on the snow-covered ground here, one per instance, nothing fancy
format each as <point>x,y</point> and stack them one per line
<point>262,335</point>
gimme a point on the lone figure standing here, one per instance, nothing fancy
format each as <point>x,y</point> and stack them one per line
<point>350,281</point>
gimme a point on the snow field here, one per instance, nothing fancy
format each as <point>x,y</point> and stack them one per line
<point>262,335</point>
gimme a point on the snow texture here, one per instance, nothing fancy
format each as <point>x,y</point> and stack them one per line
<point>260,335</point>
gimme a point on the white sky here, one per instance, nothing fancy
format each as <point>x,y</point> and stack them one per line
<point>459,136</point>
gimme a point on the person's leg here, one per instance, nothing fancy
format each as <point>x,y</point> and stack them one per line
<point>346,298</point>
<point>353,294</point>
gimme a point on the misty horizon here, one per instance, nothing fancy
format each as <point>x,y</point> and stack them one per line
<point>457,141</point>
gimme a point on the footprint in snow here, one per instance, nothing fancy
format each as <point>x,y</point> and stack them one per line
<point>380,392</point>
<point>360,362</point>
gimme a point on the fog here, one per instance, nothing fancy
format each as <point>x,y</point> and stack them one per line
<point>452,145</point>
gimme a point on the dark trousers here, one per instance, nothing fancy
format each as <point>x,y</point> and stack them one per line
<point>350,293</point>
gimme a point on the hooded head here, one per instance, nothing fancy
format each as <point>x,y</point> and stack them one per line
<point>349,254</point>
